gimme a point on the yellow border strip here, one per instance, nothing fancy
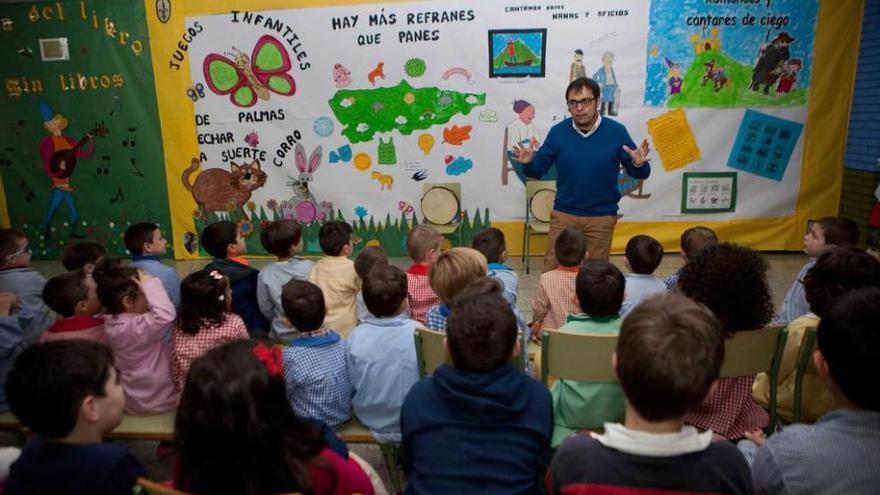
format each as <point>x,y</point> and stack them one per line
<point>836,46</point>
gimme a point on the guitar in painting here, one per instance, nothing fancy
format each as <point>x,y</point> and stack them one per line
<point>63,162</point>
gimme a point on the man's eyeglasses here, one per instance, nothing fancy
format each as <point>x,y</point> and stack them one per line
<point>26,249</point>
<point>583,102</point>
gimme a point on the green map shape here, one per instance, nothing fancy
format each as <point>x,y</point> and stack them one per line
<point>432,106</point>
<point>735,94</point>
<point>523,53</point>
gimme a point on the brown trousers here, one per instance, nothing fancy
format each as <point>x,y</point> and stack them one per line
<point>597,230</point>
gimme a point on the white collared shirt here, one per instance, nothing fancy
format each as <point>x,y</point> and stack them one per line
<point>592,129</point>
<point>686,441</point>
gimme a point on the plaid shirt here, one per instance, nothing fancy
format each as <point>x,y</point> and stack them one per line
<point>730,411</point>
<point>186,348</point>
<point>435,319</point>
<point>420,294</point>
<point>671,281</point>
<point>318,384</point>
<point>554,300</point>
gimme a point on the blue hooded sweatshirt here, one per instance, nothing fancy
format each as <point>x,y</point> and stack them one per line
<point>465,432</point>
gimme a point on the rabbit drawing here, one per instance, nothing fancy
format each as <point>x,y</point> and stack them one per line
<point>302,206</point>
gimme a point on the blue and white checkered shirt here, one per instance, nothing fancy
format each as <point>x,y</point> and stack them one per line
<point>435,318</point>
<point>837,454</point>
<point>316,374</point>
<point>671,281</point>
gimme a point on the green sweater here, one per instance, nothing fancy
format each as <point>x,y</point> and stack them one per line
<point>583,405</point>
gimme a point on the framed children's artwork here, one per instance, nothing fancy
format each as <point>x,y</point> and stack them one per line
<point>708,192</point>
<point>517,52</point>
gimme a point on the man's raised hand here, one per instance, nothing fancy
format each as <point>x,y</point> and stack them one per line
<point>640,154</point>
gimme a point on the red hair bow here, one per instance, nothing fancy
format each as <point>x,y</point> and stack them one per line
<point>270,357</point>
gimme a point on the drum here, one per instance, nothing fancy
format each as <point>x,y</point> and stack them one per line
<point>440,206</point>
<point>541,204</point>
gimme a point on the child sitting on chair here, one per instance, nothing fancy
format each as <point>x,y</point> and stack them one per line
<point>423,247</point>
<point>581,405</point>
<point>653,451</point>
<point>732,282</point>
<point>452,272</point>
<point>145,243</point>
<point>835,273</point>
<point>821,236</point>
<point>381,356</point>
<point>555,299</point>
<point>481,425</point>
<point>693,241</point>
<point>369,258</point>
<point>69,395</point>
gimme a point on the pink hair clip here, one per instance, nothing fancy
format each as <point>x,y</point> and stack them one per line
<point>216,275</point>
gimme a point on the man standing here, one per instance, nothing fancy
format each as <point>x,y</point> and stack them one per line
<point>588,151</point>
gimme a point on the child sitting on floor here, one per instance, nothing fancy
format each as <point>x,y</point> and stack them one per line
<point>224,242</point>
<point>669,354</point>
<point>82,255</point>
<point>282,238</point>
<point>555,299</point>
<point>137,312</point>
<point>74,296</point>
<point>69,395</point>
<point>145,243</point>
<point>334,274</point>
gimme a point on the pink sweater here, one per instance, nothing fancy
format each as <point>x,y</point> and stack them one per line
<point>142,357</point>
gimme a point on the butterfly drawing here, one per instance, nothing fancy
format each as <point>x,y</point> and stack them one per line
<point>405,207</point>
<point>245,79</point>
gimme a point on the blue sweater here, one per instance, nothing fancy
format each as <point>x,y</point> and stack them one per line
<point>466,432</point>
<point>588,167</point>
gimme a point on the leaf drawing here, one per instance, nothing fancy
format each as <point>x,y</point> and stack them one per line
<point>456,135</point>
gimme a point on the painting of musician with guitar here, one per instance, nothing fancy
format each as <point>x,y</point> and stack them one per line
<point>59,154</point>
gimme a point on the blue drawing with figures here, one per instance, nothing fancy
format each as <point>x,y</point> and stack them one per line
<point>704,54</point>
<point>764,145</point>
<point>517,52</point>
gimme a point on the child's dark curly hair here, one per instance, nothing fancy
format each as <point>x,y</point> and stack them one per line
<point>732,281</point>
<point>115,283</point>
<point>202,300</point>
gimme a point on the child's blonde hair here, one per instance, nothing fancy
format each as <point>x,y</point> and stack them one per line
<point>420,240</point>
<point>455,269</point>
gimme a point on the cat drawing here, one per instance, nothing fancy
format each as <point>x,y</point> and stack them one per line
<point>216,189</point>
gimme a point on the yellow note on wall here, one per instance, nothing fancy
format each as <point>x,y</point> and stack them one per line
<point>673,139</point>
